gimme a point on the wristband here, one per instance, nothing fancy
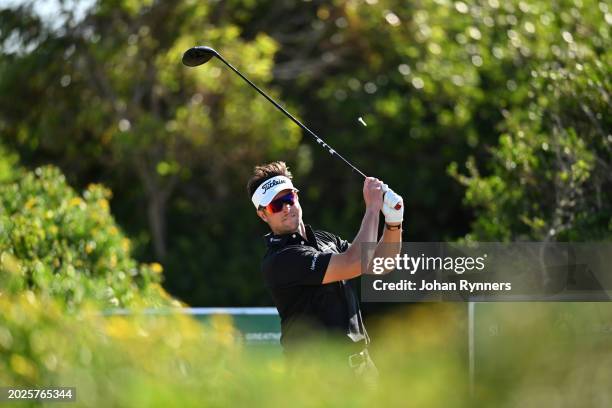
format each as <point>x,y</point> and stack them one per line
<point>393,227</point>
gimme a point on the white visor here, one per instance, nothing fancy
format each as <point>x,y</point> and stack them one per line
<point>269,188</point>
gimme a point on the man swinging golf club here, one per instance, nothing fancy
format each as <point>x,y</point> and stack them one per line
<point>306,270</point>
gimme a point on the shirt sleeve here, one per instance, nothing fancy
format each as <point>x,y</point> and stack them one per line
<point>296,266</point>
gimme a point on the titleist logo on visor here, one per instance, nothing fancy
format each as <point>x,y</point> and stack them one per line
<point>269,184</point>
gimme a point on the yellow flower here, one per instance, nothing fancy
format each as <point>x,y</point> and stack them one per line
<point>30,203</point>
<point>113,260</point>
<point>76,202</point>
<point>9,263</point>
<point>103,203</point>
<point>118,327</point>
<point>157,268</point>
<point>23,366</point>
<point>125,244</point>
<point>91,245</point>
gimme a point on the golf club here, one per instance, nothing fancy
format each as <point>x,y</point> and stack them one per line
<point>199,55</point>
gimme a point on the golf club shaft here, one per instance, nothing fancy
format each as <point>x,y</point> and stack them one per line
<point>290,116</point>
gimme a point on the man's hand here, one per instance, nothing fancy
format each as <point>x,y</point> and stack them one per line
<point>373,193</point>
<point>393,206</point>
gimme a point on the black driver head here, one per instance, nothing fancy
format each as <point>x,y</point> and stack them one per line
<point>198,55</point>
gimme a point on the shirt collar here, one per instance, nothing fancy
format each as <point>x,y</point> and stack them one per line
<point>271,240</point>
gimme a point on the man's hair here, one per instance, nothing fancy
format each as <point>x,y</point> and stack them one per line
<point>265,172</point>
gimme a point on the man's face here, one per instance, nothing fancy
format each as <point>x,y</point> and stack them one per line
<point>285,221</point>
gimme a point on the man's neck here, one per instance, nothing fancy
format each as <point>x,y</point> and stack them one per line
<point>301,229</point>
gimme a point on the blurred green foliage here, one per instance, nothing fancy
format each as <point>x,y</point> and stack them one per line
<point>491,118</point>
<point>114,105</point>
<point>549,175</point>
<point>65,246</point>
<point>173,360</point>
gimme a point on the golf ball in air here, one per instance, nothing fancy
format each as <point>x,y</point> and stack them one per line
<point>362,121</point>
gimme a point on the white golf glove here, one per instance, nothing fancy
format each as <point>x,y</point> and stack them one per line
<point>393,206</point>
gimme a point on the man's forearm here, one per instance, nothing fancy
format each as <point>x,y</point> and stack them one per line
<point>388,247</point>
<point>368,232</point>
<point>347,265</point>
<point>390,244</point>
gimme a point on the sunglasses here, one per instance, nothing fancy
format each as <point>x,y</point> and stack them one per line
<point>277,205</point>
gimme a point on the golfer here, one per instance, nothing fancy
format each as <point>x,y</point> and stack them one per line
<point>306,270</point>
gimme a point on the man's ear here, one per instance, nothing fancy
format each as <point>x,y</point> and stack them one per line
<point>262,214</point>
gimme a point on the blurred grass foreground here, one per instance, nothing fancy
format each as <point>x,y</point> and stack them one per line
<point>64,261</point>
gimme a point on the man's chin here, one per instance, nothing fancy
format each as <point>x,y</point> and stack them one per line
<point>290,226</point>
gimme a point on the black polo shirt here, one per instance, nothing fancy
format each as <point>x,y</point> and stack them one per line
<point>293,270</point>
